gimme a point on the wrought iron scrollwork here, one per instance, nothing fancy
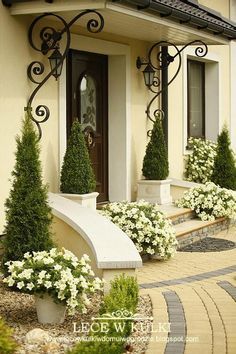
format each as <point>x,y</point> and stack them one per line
<point>50,39</point>
<point>160,60</point>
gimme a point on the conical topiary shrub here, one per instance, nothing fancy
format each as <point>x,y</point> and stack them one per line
<point>77,176</point>
<point>28,216</point>
<point>155,162</point>
<point>224,169</point>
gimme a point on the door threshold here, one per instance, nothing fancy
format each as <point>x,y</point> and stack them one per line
<point>100,205</point>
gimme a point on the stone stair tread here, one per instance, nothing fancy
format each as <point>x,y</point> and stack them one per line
<point>173,211</point>
<point>189,226</point>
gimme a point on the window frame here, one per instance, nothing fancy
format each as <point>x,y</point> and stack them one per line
<point>202,64</point>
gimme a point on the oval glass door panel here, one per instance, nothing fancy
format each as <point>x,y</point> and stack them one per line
<point>88,103</point>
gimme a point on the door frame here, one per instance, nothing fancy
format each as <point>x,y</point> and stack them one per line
<point>119,112</point>
<point>96,65</point>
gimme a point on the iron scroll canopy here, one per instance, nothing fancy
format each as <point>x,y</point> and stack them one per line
<point>50,41</point>
<point>158,61</point>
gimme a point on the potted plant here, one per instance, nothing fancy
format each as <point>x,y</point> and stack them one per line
<point>57,278</point>
<point>77,177</point>
<point>155,187</point>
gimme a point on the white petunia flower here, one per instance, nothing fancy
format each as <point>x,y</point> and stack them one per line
<point>20,285</point>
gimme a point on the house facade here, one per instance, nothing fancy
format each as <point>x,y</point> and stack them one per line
<point>101,85</point>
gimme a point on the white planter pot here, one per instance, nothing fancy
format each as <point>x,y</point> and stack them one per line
<point>154,191</point>
<point>88,200</point>
<point>48,311</point>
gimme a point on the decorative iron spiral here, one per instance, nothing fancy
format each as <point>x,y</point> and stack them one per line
<point>49,40</point>
<point>35,68</point>
<point>162,61</point>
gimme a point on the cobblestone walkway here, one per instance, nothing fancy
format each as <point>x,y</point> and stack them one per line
<point>196,294</point>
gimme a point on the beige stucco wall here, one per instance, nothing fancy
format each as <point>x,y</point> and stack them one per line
<point>221,6</point>
<point>16,54</point>
<point>177,101</point>
<point>15,88</point>
<point>177,106</point>
<point>13,92</point>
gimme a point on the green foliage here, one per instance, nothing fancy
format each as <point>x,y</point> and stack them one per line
<point>123,295</point>
<point>7,343</point>
<point>155,162</point>
<point>77,175</point>
<point>224,170</point>
<point>28,216</point>
<point>98,347</point>
<point>199,164</point>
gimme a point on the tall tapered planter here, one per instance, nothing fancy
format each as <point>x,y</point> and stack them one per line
<point>155,188</point>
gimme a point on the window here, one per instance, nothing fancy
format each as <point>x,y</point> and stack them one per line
<point>196,99</point>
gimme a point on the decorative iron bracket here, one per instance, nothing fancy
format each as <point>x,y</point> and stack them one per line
<point>50,40</point>
<point>162,60</point>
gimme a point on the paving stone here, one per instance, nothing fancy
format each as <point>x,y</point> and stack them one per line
<point>186,274</point>
<point>231,290</point>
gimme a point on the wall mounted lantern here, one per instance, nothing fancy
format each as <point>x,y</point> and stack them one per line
<point>157,62</point>
<point>56,63</point>
<point>55,44</point>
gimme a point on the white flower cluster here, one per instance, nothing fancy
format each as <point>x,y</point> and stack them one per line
<point>58,273</point>
<point>149,229</point>
<point>209,201</point>
<point>199,165</point>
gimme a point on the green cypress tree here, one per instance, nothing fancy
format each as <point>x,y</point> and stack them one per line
<point>77,176</point>
<point>224,169</point>
<point>155,162</point>
<point>28,216</point>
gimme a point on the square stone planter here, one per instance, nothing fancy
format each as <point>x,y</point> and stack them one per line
<point>88,200</point>
<point>154,191</point>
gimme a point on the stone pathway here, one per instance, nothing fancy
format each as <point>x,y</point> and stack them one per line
<point>196,294</point>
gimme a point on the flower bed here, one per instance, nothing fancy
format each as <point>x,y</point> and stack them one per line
<point>146,225</point>
<point>18,311</point>
<point>209,202</point>
<point>57,273</point>
<point>199,165</point>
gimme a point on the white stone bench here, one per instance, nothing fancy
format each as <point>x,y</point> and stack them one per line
<point>83,230</point>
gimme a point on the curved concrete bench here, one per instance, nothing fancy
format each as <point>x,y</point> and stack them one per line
<point>93,233</point>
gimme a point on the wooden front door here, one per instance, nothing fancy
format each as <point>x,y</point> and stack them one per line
<point>87,100</point>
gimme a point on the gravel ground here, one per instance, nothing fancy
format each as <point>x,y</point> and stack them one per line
<point>18,311</point>
<point>209,244</point>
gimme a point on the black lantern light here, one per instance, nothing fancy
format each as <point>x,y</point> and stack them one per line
<point>56,63</point>
<point>157,63</point>
<point>50,42</point>
<point>148,74</point>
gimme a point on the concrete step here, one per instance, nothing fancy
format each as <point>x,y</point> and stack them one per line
<point>188,227</point>
<point>194,230</point>
<point>175,214</point>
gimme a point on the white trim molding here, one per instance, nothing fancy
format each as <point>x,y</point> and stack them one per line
<point>212,94</point>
